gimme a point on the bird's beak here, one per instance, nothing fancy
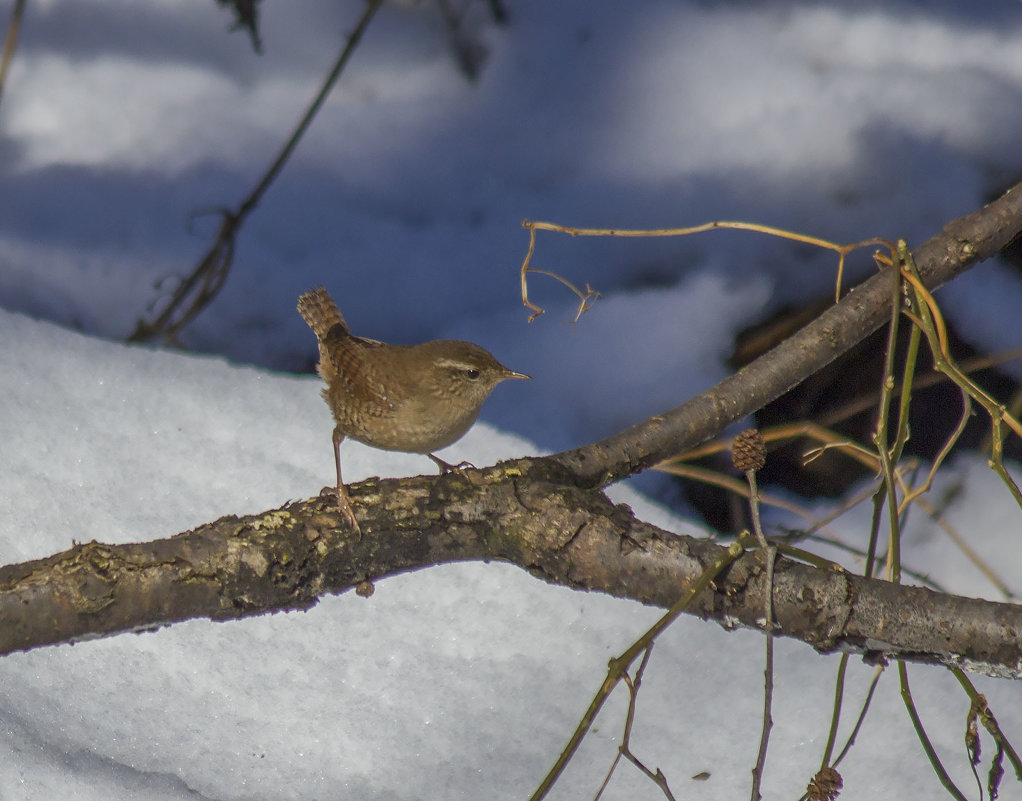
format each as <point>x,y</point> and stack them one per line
<point>513,374</point>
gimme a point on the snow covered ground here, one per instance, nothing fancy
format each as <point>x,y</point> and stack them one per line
<point>120,120</point>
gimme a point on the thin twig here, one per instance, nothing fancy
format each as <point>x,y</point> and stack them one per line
<point>917,724</point>
<point>989,721</point>
<point>926,314</point>
<point>619,666</point>
<point>769,554</point>
<point>867,401</point>
<point>624,750</point>
<point>11,41</point>
<point>838,693</point>
<point>199,289</point>
<point>967,550</point>
<point>888,491</point>
<point>874,683</point>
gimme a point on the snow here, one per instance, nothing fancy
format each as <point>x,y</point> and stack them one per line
<point>847,121</point>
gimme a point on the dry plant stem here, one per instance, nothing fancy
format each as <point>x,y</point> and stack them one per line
<point>874,530</point>
<point>624,749</point>
<point>619,666</point>
<point>932,323</point>
<point>836,716</point>
<point>907,381</point>
<point>969,366</point>
<point>206,280</point>
<point>880,439</point>
<point>924,740</point>
<point>657,777</point>
<point>962,243</point>
<point>817,524</point>
<point>586,298</point>
<point>920,578</point>
<point>821,523</point>
<point>833,441</point>
<point>610,773</point>
<point>890,390</point>
<point>874,683</point>
<point>633,687</point>
<point>911,495</point>
<point>830,517</point>
<point>989,721</point>
<point>904,395</point>
<point>201,286</point>
<point>1013,408</point>
<point>769,554</point>
<point>11,41</point>
<point>807,557</point>
<point>533,226</point>
<point>779,433</point>
<point>819,429</point>
<point>969,552</point>
<point>731,484</point>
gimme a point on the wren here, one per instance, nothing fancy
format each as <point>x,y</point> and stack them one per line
<point>413,398</point>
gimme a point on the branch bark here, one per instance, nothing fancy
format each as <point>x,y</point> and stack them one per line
<point>547,515</point>
<point>286,558</point>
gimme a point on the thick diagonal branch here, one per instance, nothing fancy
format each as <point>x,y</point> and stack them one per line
<point>963,243</point>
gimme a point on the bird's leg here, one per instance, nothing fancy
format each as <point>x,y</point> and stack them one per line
<point>447,467</point>
<point>343,501</point>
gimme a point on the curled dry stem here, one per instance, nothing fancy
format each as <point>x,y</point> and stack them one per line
<point>586,298</point>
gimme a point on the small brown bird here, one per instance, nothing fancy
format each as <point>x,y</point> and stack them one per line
<point>414,398</point>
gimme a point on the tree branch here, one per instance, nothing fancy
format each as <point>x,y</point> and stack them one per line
<point>546,515</point>
<point>963,243</point>
<point>287,558</point>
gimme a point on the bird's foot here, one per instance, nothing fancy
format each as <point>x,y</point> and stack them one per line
<point>340,495</point>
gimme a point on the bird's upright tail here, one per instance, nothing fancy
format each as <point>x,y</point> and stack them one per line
<point>320,312</point>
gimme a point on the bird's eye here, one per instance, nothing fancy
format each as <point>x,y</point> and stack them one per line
<point>472,373</point>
